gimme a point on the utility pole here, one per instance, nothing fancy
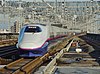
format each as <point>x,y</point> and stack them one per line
<point>56,7</point>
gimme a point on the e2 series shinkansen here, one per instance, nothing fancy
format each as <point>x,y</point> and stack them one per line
<point>34,39</point>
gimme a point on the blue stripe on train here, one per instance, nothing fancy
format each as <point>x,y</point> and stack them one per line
<point>20,37</point>
<point>34,53</point>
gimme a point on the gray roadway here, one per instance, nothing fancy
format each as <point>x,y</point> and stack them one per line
<point>78,70</point>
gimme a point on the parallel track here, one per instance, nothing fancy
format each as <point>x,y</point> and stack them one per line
<point>8,42</point>
<point>68,57</point>
<point>92,42</point>
<point>15,66</point>
<point>8,51</point>
<point>27,66</point>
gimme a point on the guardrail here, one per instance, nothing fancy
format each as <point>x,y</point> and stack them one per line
<point>50,67</point>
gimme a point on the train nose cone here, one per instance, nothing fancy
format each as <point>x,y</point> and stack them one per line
<point>30,45</point>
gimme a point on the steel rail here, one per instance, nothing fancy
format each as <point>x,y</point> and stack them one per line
<point>49,68</point>
<point>14,66</point>
<point>33,65</point>
<point>27,66</point>
<point>30,66</point>
<point>8,51</point>
<point>8,42</point>
<point>5,61</point>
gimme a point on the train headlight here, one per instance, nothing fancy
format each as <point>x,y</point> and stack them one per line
<point>78,50</point>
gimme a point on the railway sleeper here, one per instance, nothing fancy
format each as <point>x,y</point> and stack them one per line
<point>10,69</point>
<point>23,71</point>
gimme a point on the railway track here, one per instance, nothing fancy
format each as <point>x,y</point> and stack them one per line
<point>27,66</point>
<point>68,59</point>
<point>8,42</point>
<point>9,52</point>
<point>18,66</point>
<point>5,61</point>
<point>93,42</point>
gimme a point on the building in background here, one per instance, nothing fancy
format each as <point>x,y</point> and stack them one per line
<point>16,27</point>
<point>12,29</point>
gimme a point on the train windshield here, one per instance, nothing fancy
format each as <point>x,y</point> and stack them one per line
<point>34,29</point>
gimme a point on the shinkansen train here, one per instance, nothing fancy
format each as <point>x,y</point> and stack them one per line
<point>34,39</point>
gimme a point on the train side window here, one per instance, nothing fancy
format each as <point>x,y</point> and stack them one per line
<point>34,29</point>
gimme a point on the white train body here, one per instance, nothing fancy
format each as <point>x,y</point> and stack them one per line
<point>34,38</point>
